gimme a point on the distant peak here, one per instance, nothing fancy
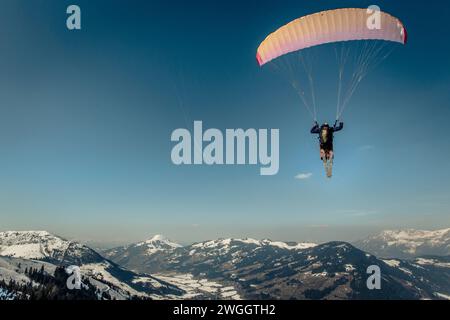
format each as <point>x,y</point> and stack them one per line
<point>158,242</point>
<point>413,233</point>
<point>158,237</point>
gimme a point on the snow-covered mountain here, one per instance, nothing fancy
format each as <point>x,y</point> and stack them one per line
<point>222,244</point>
<point>20,251</point>
<point>106,280</point>
<point>158,243</point>
<point>262,269</point>
<point>407,243</point>
<point>41,245</point>
<point>151,246</point>
<point>30,244</point>
<point>223,268</point>
<point>151,255</point>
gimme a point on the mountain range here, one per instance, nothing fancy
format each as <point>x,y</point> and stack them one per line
<point>407,243</point>
<point>40,250</point>
<point>237,268</point>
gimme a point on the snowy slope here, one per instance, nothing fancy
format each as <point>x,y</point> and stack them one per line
<point>265,269</point>
<point>41,245</point>
<point>225,243</point>
<point>154,245</point>
<point>25,249</point>
<point>30,244</point>
<point>158,243</point>
<point>152,256</point>
<point>334,270</point>
<point>150,253</point>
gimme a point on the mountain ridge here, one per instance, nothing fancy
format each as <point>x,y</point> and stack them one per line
<point>22,250</point>
<point>407,243</point>
<point>257,269</point>
<point>226,268</point>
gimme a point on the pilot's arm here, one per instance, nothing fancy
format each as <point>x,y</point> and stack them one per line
<point>339,127</point>
<point>316,128</point>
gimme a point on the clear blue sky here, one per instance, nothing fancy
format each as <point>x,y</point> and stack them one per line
<point>86,118</point>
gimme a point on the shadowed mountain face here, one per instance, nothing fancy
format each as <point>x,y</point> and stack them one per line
<point>407,244</point>
<point>271,270</point>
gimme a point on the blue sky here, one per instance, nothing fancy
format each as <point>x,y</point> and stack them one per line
<point>86,119</point>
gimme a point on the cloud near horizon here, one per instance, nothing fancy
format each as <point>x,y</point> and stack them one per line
<point>303,176</point>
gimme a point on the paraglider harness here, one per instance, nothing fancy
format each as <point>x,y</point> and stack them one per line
<point>326,138</point>
<point>326,134</point>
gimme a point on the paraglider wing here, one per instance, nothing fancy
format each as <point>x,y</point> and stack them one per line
<point>328,27</point>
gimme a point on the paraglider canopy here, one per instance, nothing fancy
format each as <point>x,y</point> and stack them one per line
<point>328,27</point>
<point>359,45</point>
